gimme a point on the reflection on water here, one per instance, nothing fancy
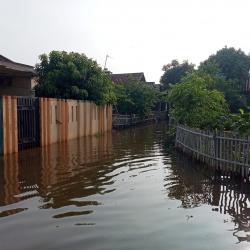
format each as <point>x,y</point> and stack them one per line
<point>122,190</point>
<point>196,185</point>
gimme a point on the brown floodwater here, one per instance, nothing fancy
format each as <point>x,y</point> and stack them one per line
<point>122,190</point>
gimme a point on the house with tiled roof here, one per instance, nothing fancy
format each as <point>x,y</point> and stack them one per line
<point>126,78</point>
<point>16,78</point>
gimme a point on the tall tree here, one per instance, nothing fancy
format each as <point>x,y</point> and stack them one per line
<point>195,104</point>
<point>135,98</point>
<point>174,71</point>
<point>232,64</point>
<point>73,76</point>
<point>230,67</point>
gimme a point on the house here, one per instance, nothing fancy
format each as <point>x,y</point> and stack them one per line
<point>16,78</point>
<point>133,77</point>
<point>128,78</point>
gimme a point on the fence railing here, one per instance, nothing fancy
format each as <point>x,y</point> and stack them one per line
<point>224,150</point>
<point>120,121</point>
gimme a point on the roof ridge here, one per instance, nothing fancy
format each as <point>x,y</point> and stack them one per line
<point>10,61</point>
<point>128,73</point>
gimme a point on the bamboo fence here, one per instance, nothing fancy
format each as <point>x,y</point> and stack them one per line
<point>223,150</point>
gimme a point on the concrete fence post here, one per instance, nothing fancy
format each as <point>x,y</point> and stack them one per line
<point>1,126</point>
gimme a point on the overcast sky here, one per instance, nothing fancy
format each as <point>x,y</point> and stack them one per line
<point>139,35</point>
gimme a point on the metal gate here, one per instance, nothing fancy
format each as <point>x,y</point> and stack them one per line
<point>28,122</point>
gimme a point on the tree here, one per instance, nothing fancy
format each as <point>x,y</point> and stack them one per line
<point>232,64</point>
<point>73,76</point>
<point>174,71</point>
<point>230,68</point>
<point>135,98</point>
<point>195,105</point>
<point>239,123</point>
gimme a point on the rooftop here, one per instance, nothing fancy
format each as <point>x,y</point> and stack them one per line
<point>10,67</point>
<point>128,77</point>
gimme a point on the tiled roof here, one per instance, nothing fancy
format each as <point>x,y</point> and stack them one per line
<point>6,64</point>
<point>128,77</point>
<point>153,85</point>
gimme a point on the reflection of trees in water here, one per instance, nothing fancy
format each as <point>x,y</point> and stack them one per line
<point>194,185</point>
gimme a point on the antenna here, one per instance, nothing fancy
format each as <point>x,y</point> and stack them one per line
<point>106,61</point>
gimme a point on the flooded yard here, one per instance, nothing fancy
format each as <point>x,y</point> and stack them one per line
<point>122,190</point>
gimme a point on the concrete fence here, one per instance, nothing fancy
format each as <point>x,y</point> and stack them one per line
<point>57,120</point>
<point>62,120</point>
<point>8,125</point>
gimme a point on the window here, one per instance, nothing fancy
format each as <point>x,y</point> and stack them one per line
<point>5,81</point>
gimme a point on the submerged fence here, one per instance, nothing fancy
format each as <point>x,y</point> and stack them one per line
<point>121,121</point>
<point>223,150</point>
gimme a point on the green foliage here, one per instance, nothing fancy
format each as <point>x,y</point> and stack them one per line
<point>162,96</point>
<point>229,67</point>
<point>232,64</point>
<point>174,71</point>
<point>73,76</point>
<point>195,104</point>
<point>233,96</point>
<point>135,98</point>
<point>239,123</point>
<point>203,97</point>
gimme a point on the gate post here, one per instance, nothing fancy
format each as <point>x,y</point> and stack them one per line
<point>1,126</point>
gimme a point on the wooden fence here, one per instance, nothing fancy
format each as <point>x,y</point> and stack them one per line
<point>223,150</point>
<point>121,121</point>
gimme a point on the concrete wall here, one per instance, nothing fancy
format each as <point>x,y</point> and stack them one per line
<point>19,86</point>
<point>9,143</point>
<point>62,120</point>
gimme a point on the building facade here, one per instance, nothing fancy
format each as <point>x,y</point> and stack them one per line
<point>16,79</point>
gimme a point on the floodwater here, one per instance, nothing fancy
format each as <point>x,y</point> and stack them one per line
<point>123,190</point>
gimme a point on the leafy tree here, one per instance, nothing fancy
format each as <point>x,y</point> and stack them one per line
<point>232,64</point>
<point>73,75</point>
<point>135,98</point>
<point>174,71</point>
<point>239,123</point>
<point>225,80</point>
<point>195,105</point>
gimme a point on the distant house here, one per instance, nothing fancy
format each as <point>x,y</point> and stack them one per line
<point>133,77</point>
<point>153,85</point>
<point>128,78</point>
<point>16,78</point>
